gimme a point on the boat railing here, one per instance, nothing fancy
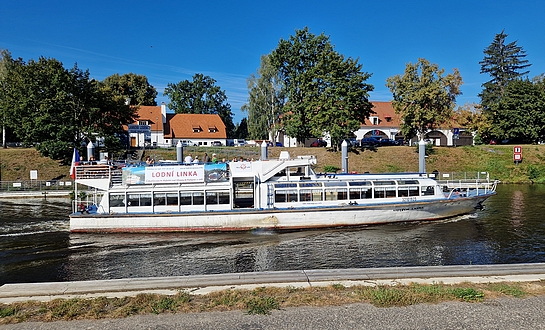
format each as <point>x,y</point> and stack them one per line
<point>99,171</point>
<point>466,188</point>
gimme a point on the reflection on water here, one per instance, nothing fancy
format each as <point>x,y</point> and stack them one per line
<point>35,244</point>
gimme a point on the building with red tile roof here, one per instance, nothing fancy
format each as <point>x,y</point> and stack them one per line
<point>155,127</point>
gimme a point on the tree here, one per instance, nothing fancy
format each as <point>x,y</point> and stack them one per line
<point>200,96</point>
<point>503,63</point>
<point>58,109</point>
<point>132,87</point>
<point>241,129</point>
<point>520,114</point>
<point>424,96</point>
<point>6,65</point>
<point>266,99</point>
<point>326,93</point>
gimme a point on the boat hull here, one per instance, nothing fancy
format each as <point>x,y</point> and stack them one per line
<point>343,215</point>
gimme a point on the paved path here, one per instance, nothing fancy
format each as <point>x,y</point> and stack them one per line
<point>202,284</point>
<point>504,313</point>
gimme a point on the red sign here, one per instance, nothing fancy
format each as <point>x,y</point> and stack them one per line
<point>517,154</point>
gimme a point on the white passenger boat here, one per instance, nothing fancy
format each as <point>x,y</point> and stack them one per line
<point>281,194</point>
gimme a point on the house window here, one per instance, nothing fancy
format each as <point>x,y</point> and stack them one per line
<point>212,129</point>
<point>388,118</point>
<point>143,122</point>
<point>197,129</point>
<point>374,120</point>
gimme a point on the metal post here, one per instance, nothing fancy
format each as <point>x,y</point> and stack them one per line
<point>90,150</point>
<point>264,151</point>
<point>422,156</point>
<point>344,152</point>
<point>179,152</point>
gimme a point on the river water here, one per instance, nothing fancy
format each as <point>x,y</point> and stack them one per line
<point>36,246</point>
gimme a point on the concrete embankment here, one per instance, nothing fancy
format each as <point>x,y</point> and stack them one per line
<point>35,194</point>
<point>202,284</point>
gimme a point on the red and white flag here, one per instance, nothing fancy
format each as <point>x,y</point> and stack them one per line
<point>75,160</point>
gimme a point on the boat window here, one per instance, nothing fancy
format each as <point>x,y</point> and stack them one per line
<point>359,183</point>
<point>384,183</point>
<point>407,182</point>
<point>211,197</point>
<point>336,194</point>
<point>282,196</point>
<point>185,198</point>
<point>407,191</point>
<point>172,199</point>
<point>428,190</point>
<point>191,198</point>
<point>198,198</point>
<point>133,200</point>
<point>117,200</point>
<point>310,195</point>
<point>159,199</point>
<point>335,184</point>
<point>145,199</point>
<point>385,192</point>
<point>285,185</point>
<point>359,193</point>
<point>310,184</point>
<point>223,197</point>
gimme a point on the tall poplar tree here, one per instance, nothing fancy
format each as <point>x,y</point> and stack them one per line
<point>265,102</point>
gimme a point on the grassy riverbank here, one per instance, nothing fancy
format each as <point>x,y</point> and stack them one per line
<point>261,300</point>
<point>17,163</point>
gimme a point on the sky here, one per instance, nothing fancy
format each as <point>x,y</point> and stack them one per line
<point>171,40</point>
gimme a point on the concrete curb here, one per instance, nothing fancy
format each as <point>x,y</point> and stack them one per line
<point>202,284</point>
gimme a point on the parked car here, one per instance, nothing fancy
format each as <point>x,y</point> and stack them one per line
<point>370,142</point>
<point>319,143</point>
<point>188,143</point>
<point>279,144</point>
<point>217,143</point>
<point>239,142</point>
<point>388,142</point>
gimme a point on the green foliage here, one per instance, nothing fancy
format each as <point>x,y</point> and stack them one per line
<point>163,304</point>
<point>241,129</point>
<point>58,109</point>
<point>504,64</point>
<point>132,87</point>
<point>424,96</point>
<point>7,311</point>
<point>200,96</point>
<point>325,92</point>
<point>265,101</point>
<point>331,169</point>
<point>519,113</point>
<point>467,294</point>
<point>513,290</point>
<point>261,305</point>
<point>428,149</point>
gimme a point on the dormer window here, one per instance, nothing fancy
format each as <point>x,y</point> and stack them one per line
<point>143,122</point>
<point>374,120</point>
<point>197,129</point>
<point>388,118</point>
<point>212,129</point>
